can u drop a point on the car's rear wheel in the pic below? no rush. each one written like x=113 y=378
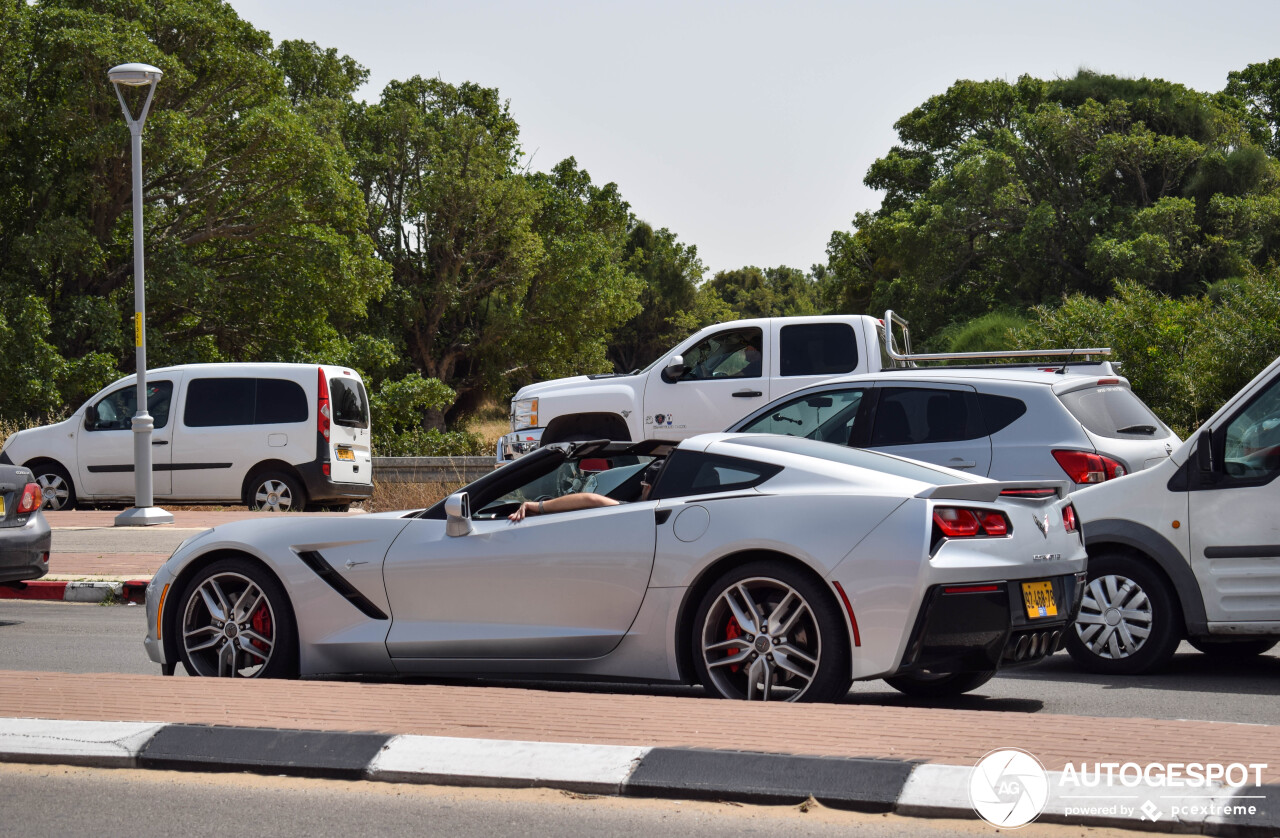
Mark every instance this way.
x=236 y=623
x=276 y=492
x=1129 y=621
x=55 y=486
x=927 y=684
x=1234 y=651
x=766 y=631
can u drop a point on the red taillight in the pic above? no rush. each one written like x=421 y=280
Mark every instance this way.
x=323 y=413
x=993 y=523
x=31 y=498
x=1069 y=518
x=957 y=522
x=1084 y=467
x=1103 y=382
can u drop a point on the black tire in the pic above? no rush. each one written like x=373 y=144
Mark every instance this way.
x=810 y=662
x=939 y=684
x=1149 y=605
x=274 y=491
x=56 y=486
x=262 y=614
x=1234 y=651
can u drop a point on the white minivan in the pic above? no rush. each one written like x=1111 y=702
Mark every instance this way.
x=272 y=436
x=1188 y=549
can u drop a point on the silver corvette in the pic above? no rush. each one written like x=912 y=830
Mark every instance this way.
x=763 y=567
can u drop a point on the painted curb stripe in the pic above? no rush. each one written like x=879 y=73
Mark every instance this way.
x=306 y=753
x=109 y=744
x=133 y=591
x=595 y=769
x=868 y=785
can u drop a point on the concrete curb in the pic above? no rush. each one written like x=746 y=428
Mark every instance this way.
x=869 y=785
x=131 y=591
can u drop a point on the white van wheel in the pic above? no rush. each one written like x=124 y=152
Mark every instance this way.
x=275 y=492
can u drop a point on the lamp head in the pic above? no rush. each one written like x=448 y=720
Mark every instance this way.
x=134 y=75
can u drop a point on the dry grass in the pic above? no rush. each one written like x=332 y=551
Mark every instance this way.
x=388 y=497
x=490 y=422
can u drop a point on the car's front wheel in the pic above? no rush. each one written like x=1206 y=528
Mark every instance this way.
x=236 y=623
x=1129 y=620
x=766 y=631
x=56 y=488
x=927 y=684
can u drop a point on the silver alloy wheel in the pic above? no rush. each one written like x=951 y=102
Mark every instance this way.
x=274 y=496
x=229 y=628
x=760 y=634
x=1115 y=617
x=54 y=490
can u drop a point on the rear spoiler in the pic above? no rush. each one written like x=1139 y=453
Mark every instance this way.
x=990 y=491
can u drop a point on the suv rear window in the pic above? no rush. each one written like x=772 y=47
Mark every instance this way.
x=1112 y=411
x=350 y=407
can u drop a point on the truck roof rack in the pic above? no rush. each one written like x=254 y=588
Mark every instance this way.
x=905 y=358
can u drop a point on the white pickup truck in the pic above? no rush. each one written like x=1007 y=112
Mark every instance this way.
x=704 y=384
x=717 y=376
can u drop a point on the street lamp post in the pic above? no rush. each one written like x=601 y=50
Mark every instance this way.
x=144 y=512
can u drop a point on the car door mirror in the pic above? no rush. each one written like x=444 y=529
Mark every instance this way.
x=457 y=513
x=675 y=367
x=1204 y=451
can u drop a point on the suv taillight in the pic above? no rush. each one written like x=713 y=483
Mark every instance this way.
x=31 y=498
x=958 y=522
x=322 y=423
x=1086 y=467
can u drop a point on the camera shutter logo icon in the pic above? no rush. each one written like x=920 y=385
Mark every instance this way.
x=1008 y=788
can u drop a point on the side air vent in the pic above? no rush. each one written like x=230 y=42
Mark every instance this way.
x=335 y=580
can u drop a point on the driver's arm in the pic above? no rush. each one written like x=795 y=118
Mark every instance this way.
x=564 y=503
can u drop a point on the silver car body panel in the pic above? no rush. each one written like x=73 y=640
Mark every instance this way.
x=601 y=592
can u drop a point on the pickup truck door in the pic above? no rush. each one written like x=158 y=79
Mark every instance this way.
x=723 y=380
x=1235 y=532
x=810 y=353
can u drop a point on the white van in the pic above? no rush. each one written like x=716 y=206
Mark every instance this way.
x=271 y=436
x=1190 y=548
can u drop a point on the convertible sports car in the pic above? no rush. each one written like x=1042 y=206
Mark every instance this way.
x=764 y=567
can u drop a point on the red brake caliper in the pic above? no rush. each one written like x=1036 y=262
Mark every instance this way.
x=261 y=622
x=732 y=632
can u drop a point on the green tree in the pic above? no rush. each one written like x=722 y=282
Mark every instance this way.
x=771 y=292
x=673 y=299
x=255 y=238
x=1016 y=194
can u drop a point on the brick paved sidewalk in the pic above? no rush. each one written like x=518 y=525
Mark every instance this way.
x=955 y=737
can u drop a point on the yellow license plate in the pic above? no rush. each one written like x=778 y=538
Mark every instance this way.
x=346 y=454
x=1 y=506
x=1038 y=597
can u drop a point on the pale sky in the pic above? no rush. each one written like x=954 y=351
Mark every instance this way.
x=747 y=127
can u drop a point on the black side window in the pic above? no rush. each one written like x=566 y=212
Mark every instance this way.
x=1252 y=438
x=818 y=349
x=350 y=407
x=217 y=402
x=696 y=473
x=114 y=411
x=999 y=412
x=732 y=354
x=279 y=402
x=911 y=416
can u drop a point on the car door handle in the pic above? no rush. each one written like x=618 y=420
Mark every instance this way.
x=747 y=394
x=159 y=442
x=956 y=462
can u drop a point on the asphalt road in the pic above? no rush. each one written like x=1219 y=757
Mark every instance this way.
x=67 y=637
x=64 y=800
